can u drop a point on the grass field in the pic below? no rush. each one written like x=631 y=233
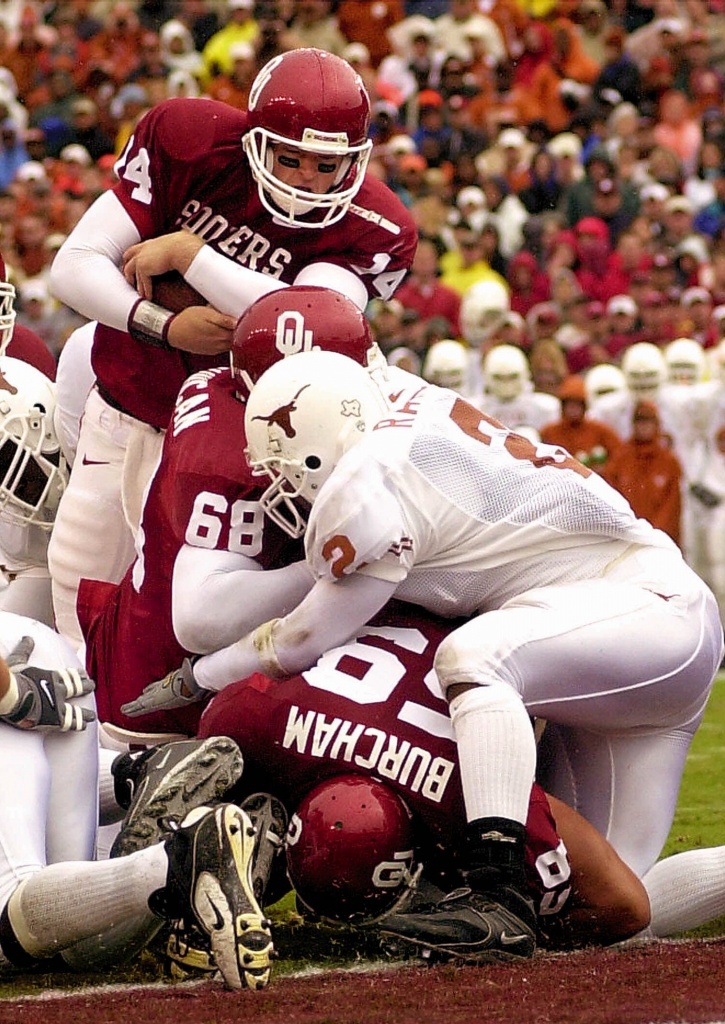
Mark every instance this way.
x=699 y=822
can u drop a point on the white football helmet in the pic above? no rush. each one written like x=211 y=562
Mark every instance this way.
x=483 y=308
x=506 y=372
x=447 y=365
x=303 y=414
x=644 y=368
x=33 y=472
x=716 y=358
x=602 y=379
x=685 y=359
x=7 y=308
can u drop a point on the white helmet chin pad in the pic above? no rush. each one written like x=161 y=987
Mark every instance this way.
x=293 y=205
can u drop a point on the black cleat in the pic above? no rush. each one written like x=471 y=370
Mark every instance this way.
x=173 y=780
x=469 y=927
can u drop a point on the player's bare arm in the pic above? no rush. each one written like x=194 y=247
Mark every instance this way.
x=608 y=902
x=201 y=329
x=155 y=256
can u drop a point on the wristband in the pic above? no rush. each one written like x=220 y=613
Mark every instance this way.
x=264 y=648
x=148 y=322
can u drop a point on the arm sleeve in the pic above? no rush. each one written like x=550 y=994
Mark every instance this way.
x=329 y=616
x=231 y=288
x=219 y=596
x=86 y=274
x=329 y=275
x=225 y=284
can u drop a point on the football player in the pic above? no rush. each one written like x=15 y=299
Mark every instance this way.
x=374 y=708
x=580 y=614
x=54 y=899
x=196 y=583
x=33 y=477
x=280 y=195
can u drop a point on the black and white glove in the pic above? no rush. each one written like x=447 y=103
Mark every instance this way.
x=45 y=695
x=175 y=690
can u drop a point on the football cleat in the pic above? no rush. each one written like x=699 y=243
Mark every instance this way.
x=270 y=820
x=173 y=780
x=469 y=927
x=208 y=894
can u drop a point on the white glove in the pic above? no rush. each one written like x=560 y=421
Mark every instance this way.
x=175 y=690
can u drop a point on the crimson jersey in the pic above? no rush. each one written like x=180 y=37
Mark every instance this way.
x=203 y=494
x=374 y=706
x=185 y=167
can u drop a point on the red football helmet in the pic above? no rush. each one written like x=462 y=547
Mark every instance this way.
x=315 y=101
x=7 y=308
x=298 y=319
x=350 y=849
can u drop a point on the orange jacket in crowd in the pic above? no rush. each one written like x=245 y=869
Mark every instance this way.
x=648 y=474
x=591 y=442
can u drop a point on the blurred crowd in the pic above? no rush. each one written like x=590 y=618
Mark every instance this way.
x=564 y=161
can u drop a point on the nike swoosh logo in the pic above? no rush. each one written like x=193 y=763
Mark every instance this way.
x=162 y=762
x=394 y=396
x=219 y=919
x=511 y=940
x=48 y=692
x=85 y=461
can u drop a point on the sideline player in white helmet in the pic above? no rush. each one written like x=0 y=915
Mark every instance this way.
x=508 y=393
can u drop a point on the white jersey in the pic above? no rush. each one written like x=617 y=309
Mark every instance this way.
x=529 y=409
x=463 y=514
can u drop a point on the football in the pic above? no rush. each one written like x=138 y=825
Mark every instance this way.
x=172 y=292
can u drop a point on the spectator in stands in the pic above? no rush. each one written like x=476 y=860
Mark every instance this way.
x=369 y=23
x=465 y=265
x=529 y=284
x=85 y=129
x=561 y=85
x=648 y=473
x=453 y=27
x=710 y=220
x=13 y=151
x=178 y=50
x=117 y=48
x=21 y=56
x=591 y=442
x=412 y=65
x=621 y=321
x=619 y=79
x=314 y=24
x=234 y=87
x=55 y=114
x=678 y=128
x=423 y=292
x=240 y=27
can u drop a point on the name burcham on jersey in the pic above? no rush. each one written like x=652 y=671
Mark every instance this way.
x=337 y=739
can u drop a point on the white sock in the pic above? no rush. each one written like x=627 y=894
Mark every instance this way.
x=686 y=890
x=66 y=903
x=109 y=811
x=496 y=752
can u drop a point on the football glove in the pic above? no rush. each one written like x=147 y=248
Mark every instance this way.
x=45 y=695
x=175 y=690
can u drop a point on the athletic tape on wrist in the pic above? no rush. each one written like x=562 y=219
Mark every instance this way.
x=264 y=647
x=149 y=323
